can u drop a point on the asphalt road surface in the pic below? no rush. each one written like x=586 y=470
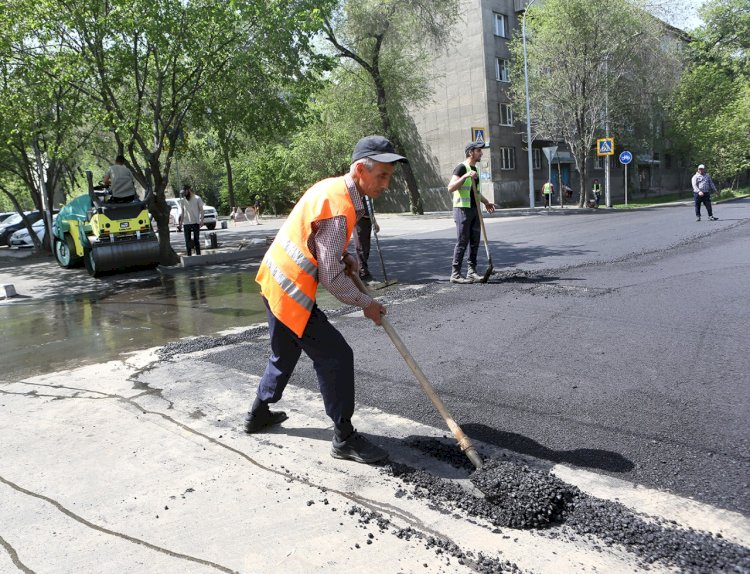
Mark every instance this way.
x=610 y=341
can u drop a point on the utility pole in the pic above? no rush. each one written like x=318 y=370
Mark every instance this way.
x=528 y=107
x=607 y=195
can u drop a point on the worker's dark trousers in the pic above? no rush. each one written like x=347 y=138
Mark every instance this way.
x=333 y=361
x=706 y=200
x=468 y=233
x=192 y=237
x=364 y=233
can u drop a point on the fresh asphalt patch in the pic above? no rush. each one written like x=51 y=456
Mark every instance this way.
x=513 y=494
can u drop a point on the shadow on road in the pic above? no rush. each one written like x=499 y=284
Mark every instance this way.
x=581 y=457
x=428 y=260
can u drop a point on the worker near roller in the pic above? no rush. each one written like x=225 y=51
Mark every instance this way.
x=463 y=185
x=191 y=219
x=120 y=181
x=311 y=248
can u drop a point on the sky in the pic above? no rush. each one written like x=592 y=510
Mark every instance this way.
x=680 y=13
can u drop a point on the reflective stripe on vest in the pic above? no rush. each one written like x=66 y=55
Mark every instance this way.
x=547 y=188
x=288 y=275
x=462 y=196
x=597 y=187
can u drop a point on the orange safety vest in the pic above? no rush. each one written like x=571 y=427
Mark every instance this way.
x=288 y=274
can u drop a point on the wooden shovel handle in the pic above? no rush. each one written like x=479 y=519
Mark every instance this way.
x=463 y=441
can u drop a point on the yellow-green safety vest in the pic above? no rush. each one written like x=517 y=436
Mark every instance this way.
x=462 y=196
x=547 y=188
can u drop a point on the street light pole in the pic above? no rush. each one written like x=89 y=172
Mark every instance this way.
x=528 y=107
x=607 y=194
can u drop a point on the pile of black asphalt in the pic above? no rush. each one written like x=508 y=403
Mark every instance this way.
x=514 y=495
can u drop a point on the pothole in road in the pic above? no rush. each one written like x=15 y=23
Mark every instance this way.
x=513 y=495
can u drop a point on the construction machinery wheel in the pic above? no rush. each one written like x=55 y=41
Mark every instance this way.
x=65 y=252
x=90 y=263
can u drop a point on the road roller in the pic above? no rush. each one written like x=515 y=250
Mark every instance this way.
x=103 y=235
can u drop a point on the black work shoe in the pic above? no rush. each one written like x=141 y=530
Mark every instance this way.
x=698 y=218
x=357 y=448
x=261 y=419
x=712 y=218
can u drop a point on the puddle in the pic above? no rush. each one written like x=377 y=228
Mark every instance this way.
x=42 y=336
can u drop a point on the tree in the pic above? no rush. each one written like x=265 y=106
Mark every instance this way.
x=145 y=64
x=389 y=40
x=712 y=105
x=589 y=59
x=41 y=117
x=273 y=81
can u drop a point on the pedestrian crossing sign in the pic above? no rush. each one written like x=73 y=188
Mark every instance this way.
x=477 y=135
x=605 y=146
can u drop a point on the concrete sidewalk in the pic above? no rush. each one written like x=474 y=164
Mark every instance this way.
x=141 y=466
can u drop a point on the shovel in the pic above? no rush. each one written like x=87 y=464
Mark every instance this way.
x=385 y=282
x=490 y=267
x=463 y=441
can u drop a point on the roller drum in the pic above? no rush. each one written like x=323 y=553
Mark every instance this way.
x=125 y=254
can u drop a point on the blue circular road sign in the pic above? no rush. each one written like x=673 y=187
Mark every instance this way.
x=626 y=157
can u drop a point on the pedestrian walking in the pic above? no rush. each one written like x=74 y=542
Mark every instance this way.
x=596 y=190
x=258 y=206
x=311 y=247
x=568 y=191
x=703 y=185
x=191 y=219
x=463 y=186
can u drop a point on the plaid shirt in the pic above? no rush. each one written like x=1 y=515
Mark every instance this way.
x=326 y=242
x=703 y=182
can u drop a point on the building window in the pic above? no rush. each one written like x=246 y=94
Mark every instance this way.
x=501 y=25
x=506 y=115
x=507 y=158
x=537 y=158
x=502 y=70
x=599 y=161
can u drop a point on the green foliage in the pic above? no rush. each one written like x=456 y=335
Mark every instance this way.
x=711 y=113
x=588 y=56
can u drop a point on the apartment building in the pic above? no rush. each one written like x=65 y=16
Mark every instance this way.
x=470 y=81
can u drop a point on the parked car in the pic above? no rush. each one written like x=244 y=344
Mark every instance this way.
x=21 y=238
x=5 y=215
x=14 y=223
x=210 y=215
x=175 y=209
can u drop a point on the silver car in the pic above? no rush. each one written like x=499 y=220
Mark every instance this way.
x=21 y=238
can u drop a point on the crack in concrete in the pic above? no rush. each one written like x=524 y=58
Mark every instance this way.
x=14 y=557
x=69 y=513
x=372 y=505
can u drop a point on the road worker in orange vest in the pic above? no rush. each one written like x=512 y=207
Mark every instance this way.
x=311 y=249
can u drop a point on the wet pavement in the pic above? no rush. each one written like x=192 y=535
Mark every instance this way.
x=125 y=314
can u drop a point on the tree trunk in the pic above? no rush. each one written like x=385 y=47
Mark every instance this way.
x=230 y=179
x=415 y=199
x=160 y=209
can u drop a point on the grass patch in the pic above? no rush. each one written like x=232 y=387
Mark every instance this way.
x=681 y=196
